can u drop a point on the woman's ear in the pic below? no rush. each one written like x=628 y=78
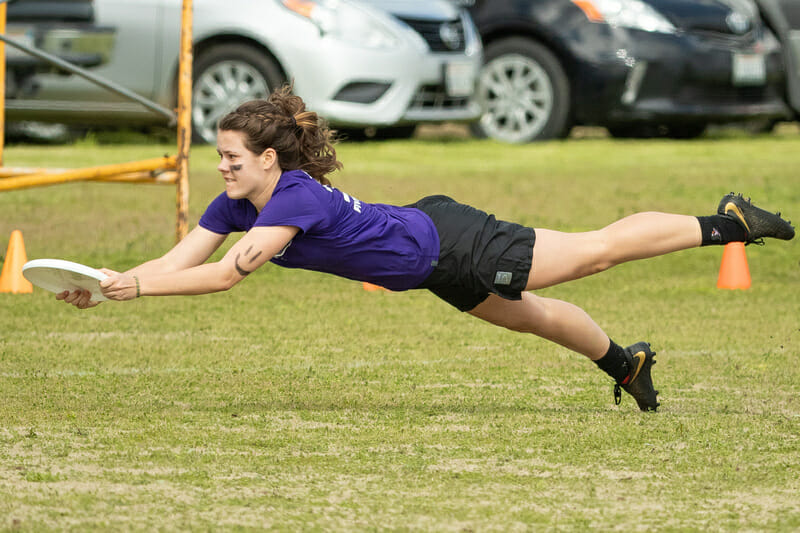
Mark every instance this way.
x=269 y=158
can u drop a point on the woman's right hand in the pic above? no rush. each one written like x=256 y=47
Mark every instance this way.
x=80 y=298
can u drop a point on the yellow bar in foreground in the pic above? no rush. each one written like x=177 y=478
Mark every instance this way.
x=168 y=177
x=161 y=176
x=86 y=174
x=10 y=172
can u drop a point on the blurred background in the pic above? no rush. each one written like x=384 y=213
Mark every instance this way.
x=516 y=71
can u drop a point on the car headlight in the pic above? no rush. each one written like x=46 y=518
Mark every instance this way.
x=346 y=22
x=626 y=13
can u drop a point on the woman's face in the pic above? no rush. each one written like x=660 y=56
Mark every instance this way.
x=244 y=172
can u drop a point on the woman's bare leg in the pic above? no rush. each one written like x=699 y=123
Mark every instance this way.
x=558 y=321
x=571 y=327
x=560 y=257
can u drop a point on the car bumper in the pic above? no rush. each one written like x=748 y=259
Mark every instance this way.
x=681 y=78
x=411 y=95
x=408 y=84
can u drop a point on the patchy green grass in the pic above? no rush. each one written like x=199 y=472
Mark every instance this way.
x=299 y=401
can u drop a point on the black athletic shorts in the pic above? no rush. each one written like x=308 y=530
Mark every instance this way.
x=478 y=254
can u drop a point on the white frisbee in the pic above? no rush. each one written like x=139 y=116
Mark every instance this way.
x=56 y=275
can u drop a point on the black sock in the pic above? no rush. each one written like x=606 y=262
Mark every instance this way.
x=721 y=229
x=614 y=363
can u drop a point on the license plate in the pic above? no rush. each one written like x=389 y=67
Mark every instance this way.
x=459 y=79
x=749 y=69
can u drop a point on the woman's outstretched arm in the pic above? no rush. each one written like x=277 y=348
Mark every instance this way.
x=182 y=269
x=192 y=250
x=257 y=247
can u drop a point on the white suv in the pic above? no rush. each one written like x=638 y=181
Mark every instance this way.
x=360 y=64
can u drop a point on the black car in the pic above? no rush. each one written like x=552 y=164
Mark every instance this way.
x=783 y=17
x=637 y=67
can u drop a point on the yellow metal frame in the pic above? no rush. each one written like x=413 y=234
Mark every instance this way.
x=171 y=170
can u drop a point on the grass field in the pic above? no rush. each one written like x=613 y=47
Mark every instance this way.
x=298 y=401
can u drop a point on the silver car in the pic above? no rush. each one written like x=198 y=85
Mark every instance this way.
x=378 y=64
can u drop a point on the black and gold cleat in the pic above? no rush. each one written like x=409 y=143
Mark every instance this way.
x=757 y=223
x=639 y=383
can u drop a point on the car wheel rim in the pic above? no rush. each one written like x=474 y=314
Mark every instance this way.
x=517 y=96
x=219 y=90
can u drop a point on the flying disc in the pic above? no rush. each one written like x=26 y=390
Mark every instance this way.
x=56 y=275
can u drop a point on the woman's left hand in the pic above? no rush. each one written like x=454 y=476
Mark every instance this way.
x=118 y=286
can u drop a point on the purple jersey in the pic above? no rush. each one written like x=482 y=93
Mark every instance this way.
x=395 y=247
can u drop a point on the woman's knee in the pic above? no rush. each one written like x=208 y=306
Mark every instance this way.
x=600 y=255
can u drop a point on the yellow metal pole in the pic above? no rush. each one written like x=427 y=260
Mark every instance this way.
x=84 y=174
x=3 y=11
x=8 y=172
x=168 y=177
x=184 y=122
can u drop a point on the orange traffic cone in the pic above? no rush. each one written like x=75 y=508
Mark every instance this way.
x=372 y=287
x=12 y=280
x=734 y=272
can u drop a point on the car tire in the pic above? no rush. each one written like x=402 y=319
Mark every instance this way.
x=524 y=92
x=243 y=72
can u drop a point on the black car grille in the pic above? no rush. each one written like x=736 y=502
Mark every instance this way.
x=441 y=35
x=435 y=97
